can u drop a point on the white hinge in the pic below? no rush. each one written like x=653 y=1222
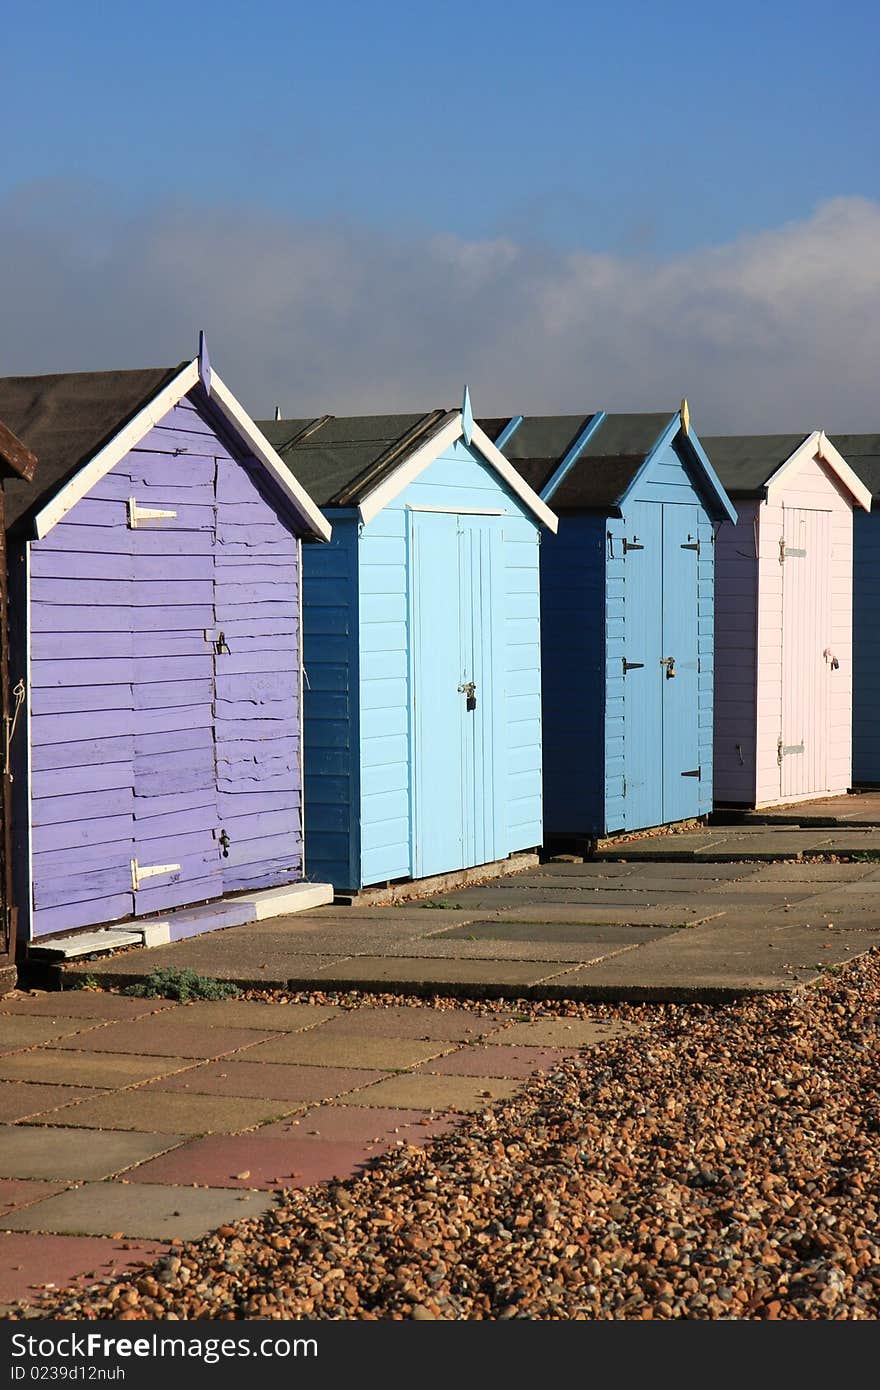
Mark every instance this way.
x=137 y=514
x=790 y=552
x=140 y=872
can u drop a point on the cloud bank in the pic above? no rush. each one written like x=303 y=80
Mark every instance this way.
x=775 y=331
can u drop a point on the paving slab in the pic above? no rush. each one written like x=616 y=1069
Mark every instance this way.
x=565 y=1032
x=332 y=1050
x=32 y=1262
x=16 y=1193
x=18 y=1031
x=854 y=807
x=162 y=1112
x=484 y=948
x=81 y=1003
x=430 y=976
x=154 y=1211
x=377 y=1128
x=102 y=1070
x=497 y=1060
x=75 y=1155
x=413 y=1021
x=159 y=1036
x=256 y=1161
x=219 y=960
x=554 y=933
x=21 y=1099
x=268 y=1081
x=424 y=1092
x=661 y=847
x=252 y=1013
x=814 y=875
x=590 y=915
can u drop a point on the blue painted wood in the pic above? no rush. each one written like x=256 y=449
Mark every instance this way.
x=508 y=432
x=680 y=624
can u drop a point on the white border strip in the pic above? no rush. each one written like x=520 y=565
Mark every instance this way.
x=815 y=444
x=418 y=461
x=152 y=414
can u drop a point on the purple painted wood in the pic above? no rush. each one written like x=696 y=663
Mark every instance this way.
x=143 y=737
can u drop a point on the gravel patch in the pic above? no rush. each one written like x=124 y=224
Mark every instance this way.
x=721 y=1163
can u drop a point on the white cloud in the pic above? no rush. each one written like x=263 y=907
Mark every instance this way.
x=776 y=331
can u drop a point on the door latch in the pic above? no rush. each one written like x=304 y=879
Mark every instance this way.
x=225 y=842
x=669 y=663
x=220 y=644
x=469 y=690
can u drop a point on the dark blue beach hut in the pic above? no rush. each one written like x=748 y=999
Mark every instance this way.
x=862 y=452
x=627 y=592
x=422 y=646
x=155 y=564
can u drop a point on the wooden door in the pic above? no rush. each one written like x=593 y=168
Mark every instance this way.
x=454 y=583
x=679 y=681
x=806 y=628
x=643 y=682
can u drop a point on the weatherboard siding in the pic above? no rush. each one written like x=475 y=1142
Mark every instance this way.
x=736 y=625
x=866 y=649
x=330 y=704
x=136 y=751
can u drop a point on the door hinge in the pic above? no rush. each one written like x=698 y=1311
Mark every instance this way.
x=631 y=665
x=140 y=872
x=631 y=545
x=692 y=545
x=790 y=551
x=138 y=515
x=697 y=771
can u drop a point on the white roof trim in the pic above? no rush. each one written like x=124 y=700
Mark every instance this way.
x=246 y=429
x=418 y=461
x=152 y=414
x=818 y=444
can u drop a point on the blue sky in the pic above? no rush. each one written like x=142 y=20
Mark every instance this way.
x=646 y=132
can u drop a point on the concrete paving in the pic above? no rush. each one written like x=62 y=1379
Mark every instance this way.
x=201 y=1113
x=857 y=808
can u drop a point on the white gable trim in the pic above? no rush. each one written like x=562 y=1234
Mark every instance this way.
x=416 y=463
x=817 y=444
x=152 y=414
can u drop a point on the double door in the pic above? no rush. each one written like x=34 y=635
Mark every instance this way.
x=455 y=569
x=660 y=544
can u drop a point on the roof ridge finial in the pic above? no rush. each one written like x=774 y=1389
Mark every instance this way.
x=277 y=413
x=204 y=362
x=684 y=411
x=467 y=416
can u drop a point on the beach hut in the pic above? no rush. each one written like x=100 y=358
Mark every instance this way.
x=862 y=453
x=626 y=616
x=154 y=568
x=783 y=636
x=16 y=461
x=422 y=650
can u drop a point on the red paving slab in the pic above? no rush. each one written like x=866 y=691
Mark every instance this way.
x=19 y=1099
x=162 y=1037
x=249 y=1160
x=355 y=1124
x=268 y=1080
x=20 y=1192
x=83 y=1003
x=517 y=1063
x=28 y=1262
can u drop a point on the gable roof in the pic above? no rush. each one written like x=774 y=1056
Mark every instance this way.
x=16 y=460
x=590 y=462
x=754 y=465
x=81 y=423
x=364 y=461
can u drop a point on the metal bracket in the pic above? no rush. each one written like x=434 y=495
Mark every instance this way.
x=137 y=515
x=631 y=665
x=631 y=545
x=692 y=545
x=141 y=872
x=695 y=773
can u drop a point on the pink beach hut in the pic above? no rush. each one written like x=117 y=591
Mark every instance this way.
x=783 y=619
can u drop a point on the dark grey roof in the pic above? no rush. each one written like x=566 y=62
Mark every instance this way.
x=65 y=420
x=862 y=453
x=604 y=469
x=745 y=462
x=337 y=459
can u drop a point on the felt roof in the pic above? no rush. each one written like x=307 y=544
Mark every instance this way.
x=862 y=453
x=65 y=420
x=746 y=462
x=605 y=467
x=338 y=459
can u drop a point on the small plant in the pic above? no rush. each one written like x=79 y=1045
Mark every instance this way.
x=87 y=982
x=457 y=907
x=183 y=985
x=866 y=856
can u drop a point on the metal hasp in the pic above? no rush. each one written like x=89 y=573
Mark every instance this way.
x=469 y=689
x=669 y=663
